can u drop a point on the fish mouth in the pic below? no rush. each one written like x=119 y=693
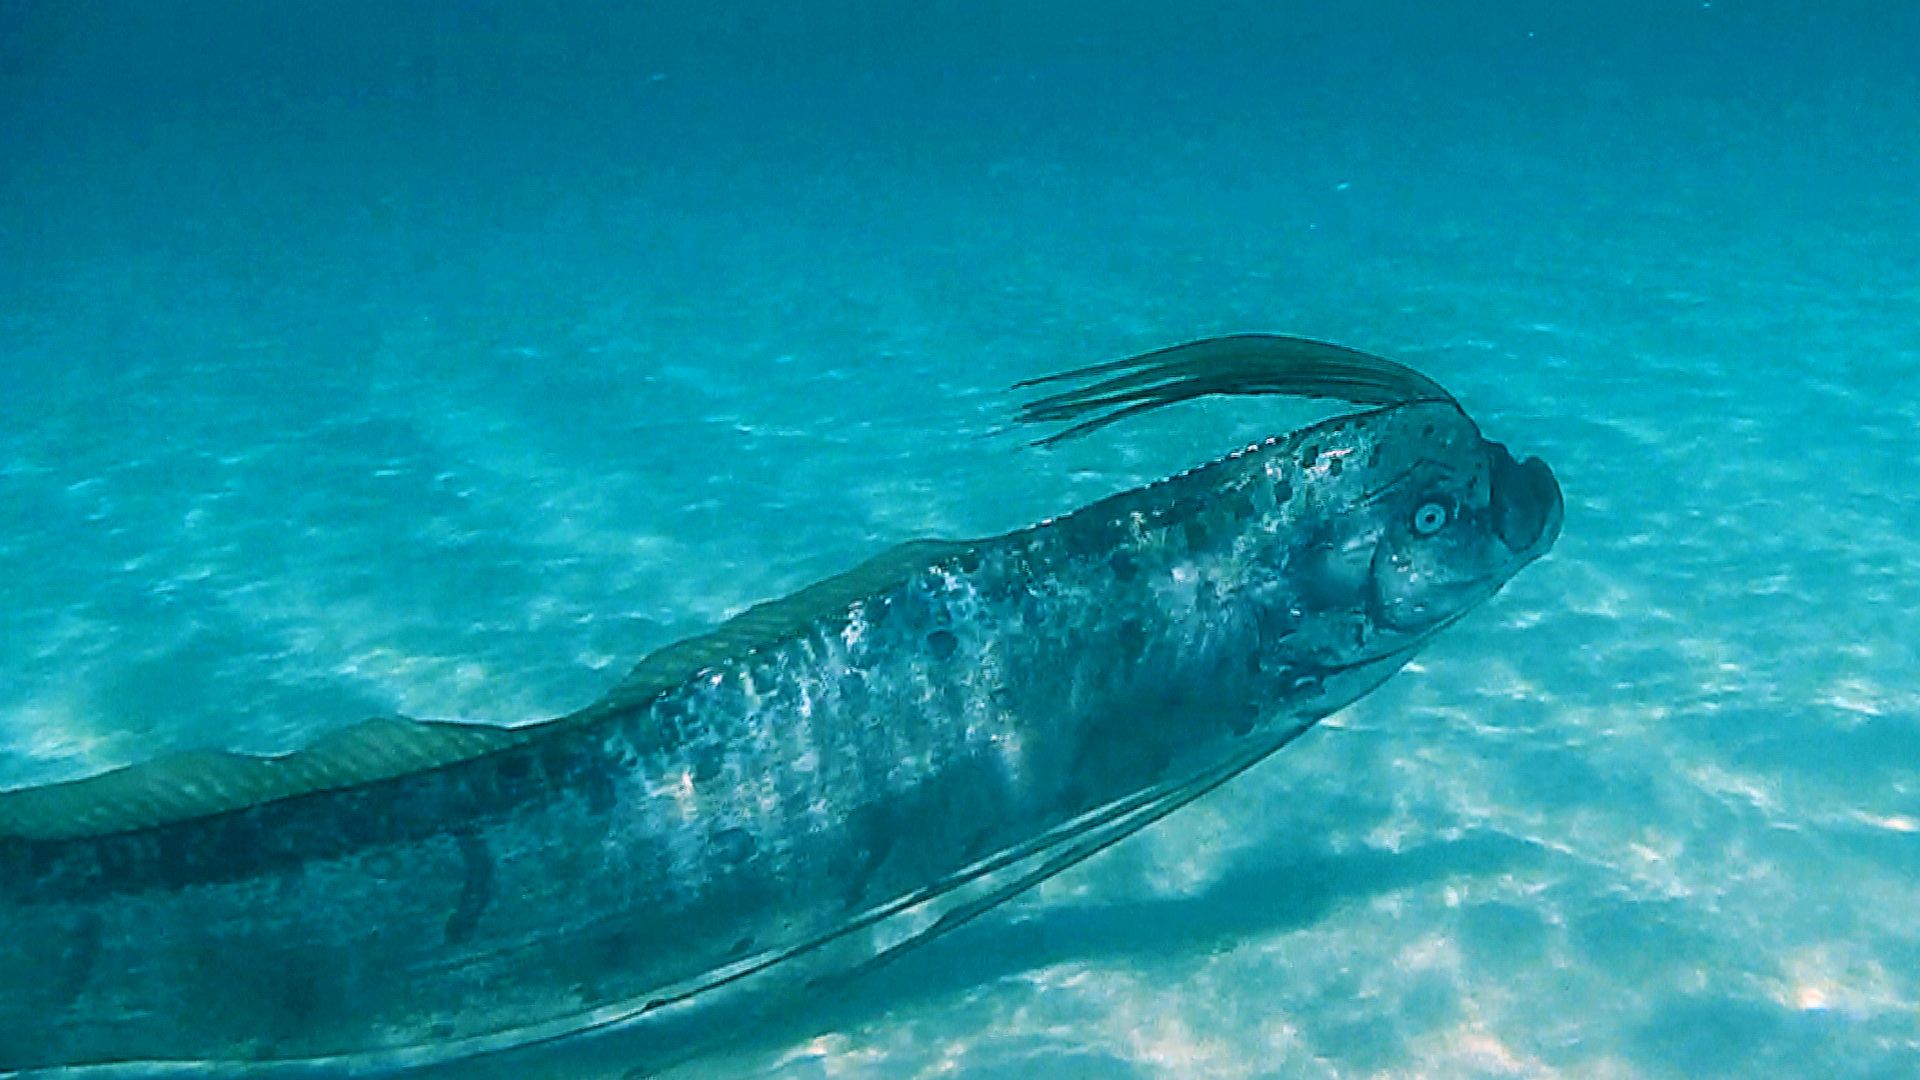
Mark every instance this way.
x=1527 y=504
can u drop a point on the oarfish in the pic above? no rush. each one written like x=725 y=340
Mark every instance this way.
x=812 y=788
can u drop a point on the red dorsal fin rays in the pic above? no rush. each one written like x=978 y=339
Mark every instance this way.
x=1240 y=364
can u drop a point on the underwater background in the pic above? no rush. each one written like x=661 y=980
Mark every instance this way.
x=443 y=359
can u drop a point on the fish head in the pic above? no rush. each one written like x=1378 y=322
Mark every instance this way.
x=1416 y=519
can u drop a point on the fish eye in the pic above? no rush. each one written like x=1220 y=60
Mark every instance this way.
x=1431 y=517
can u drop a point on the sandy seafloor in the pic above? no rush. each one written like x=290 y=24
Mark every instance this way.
x=401 y=360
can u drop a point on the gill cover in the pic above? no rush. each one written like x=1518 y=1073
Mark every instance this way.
x=1416 y=518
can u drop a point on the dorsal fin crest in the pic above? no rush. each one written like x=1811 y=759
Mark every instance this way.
x=772 y=621
x=1236 y=365
x=198 y=783
x=201 y=783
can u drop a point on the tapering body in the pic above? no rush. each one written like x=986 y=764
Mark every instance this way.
x=756 y=788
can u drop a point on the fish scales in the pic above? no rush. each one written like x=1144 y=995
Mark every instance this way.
x=964 y=699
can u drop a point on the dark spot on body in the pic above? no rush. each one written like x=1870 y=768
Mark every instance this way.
x=867 y=862
x=601 y=797
x=740 y=948
x=1074 y=793
x=1123 y=566
x=1007 y=586
x=705 y=761
x=1336 y=465
x=476 y=887
x=77 y=963
x=976 y=844
x=670 y=719
x=1275 y=623
x=1196 y=534
x=572 y=767
x=943 y=644
x=1309 y=454
x=357 y=822
x=1112 y=750
x=732 y=846
x=618 y=949
x=1282 y=491
x=515 y=769
x=853 y=690
x=296 y=998
x=383 y=864
x=1099 y=535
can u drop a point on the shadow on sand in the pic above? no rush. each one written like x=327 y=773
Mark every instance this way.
x=1291 y=888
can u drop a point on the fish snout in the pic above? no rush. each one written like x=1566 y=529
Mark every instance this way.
x=1526 y=503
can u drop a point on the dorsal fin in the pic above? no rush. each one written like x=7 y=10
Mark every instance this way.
x=1239 y=364
x=200 y=783
x=773 y=621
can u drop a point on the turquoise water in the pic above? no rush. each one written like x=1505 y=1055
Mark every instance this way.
x=443 y=360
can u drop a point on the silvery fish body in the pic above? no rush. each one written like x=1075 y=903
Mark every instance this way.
x=808 y=786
